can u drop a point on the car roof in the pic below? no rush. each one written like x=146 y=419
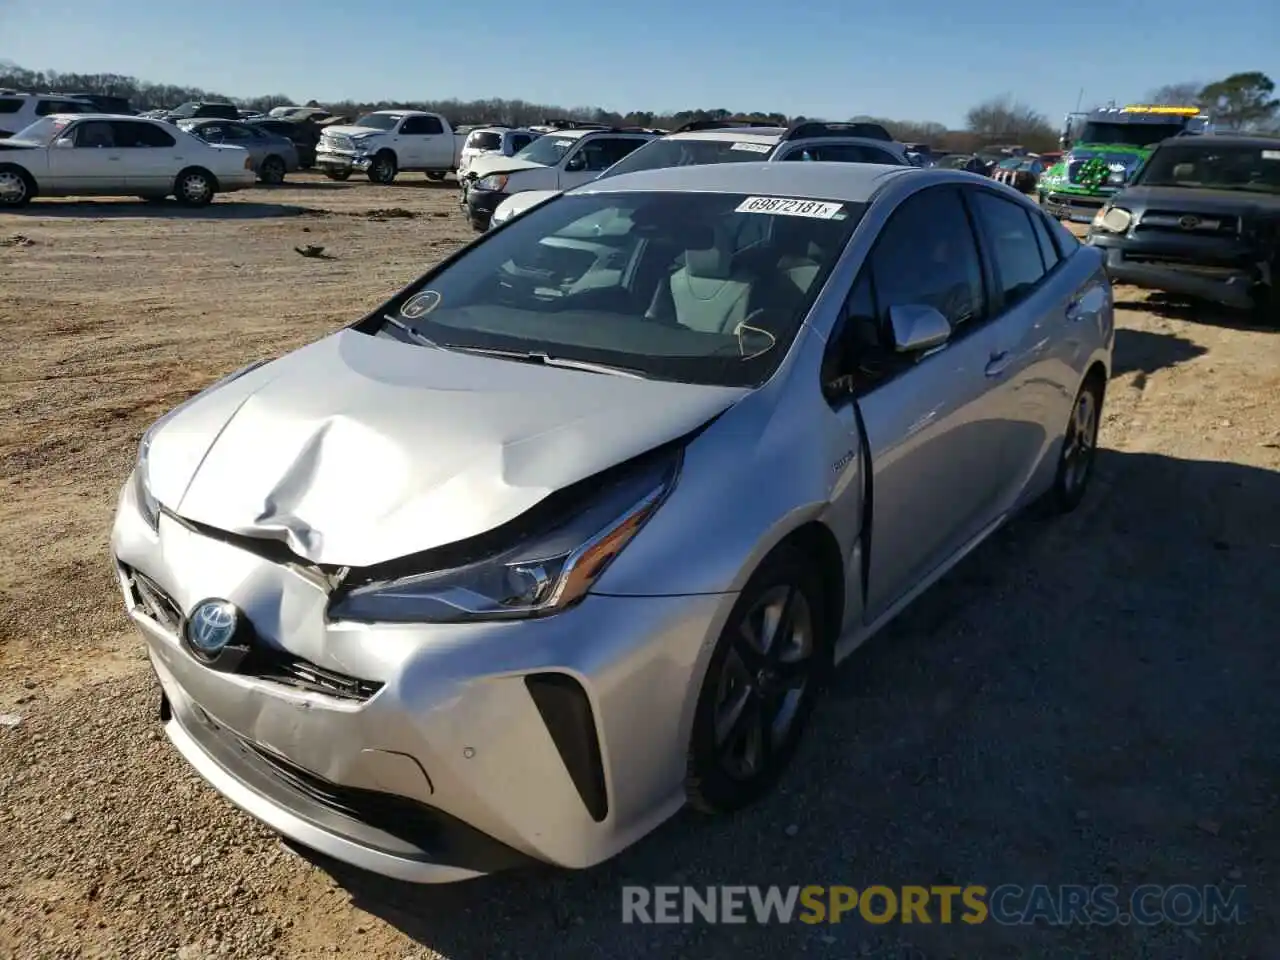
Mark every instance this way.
x=105 y=116
x=398 y=113
x=818 y=180
x=769 y=135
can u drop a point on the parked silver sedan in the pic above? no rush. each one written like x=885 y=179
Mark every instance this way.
x=572 y=530
x=274 y=156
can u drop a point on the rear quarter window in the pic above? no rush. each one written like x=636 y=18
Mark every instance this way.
x=10 y=105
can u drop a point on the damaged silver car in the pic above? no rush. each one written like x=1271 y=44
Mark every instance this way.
x=571 y=531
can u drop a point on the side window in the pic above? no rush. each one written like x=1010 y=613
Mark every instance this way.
x=46 y=107
x=519 y=141
x=10 y=105
x=603 y=152
x=95 y=134
x=211 y=132
x=1014 y=247
x=1047 y=249
x=421 y=126
x=927 y=254
x=130 y=134
x=236 y=134
x=431 y=125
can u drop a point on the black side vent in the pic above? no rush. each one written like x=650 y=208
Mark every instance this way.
x=566 y=711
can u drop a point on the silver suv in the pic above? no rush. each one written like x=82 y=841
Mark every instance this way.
x=19 y=110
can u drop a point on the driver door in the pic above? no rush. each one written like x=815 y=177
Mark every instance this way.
x=932 y=449
x=594 y=157
x=94 y=164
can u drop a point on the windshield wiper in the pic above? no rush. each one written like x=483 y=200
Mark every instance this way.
x=541 y=357
x=405 y=328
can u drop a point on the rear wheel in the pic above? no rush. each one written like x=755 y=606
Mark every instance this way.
x=195 y=188
x=16 y=187
x=761 y=685
x=1079 y=448
x=383 y=169
x=272 y=171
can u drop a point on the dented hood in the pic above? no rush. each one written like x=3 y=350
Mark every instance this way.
x=359 y=449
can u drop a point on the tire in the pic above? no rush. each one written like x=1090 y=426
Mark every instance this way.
x=16 y=187
x=753 y=705
x=384 y=168
x=195 y=187
x=272 y=171
x=339 y=175
x=436 y=177
x=1079 y=448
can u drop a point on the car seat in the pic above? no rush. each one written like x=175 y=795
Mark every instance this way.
x=708 y=294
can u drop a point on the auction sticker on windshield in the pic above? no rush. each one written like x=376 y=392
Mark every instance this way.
x=790 y=207
x=752 y=147
x=1271 y=154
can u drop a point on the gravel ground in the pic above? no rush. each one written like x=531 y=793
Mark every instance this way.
x=1088 y=700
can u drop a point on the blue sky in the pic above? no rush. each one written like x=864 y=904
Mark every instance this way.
x=906 y=59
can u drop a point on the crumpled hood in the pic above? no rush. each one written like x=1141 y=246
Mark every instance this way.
x=485 y=164
x=350 y=130
x=359 y=449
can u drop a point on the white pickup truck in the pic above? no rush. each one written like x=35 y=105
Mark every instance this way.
x=383 y=143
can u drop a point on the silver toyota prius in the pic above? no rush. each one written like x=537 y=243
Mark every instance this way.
x=571 y=531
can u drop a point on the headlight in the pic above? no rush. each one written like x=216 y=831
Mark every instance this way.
x=550 y=565
x=148 y=505
x=362 y=143
x=1113 y=219
x=496 y=182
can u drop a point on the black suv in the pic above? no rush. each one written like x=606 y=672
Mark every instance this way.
x=200 y=109
x=1201 y=218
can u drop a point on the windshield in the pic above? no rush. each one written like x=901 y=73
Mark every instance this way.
x=547 y=150
x=1130 y=134
x=1214 y=166
x=485 y=141
x=42 y=132
x=660 y=154
x=695 y=287
x=379 y=121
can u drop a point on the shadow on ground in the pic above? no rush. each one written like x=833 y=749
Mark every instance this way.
x=1173 y=307
x=165 y=210
x=1084 y=700
x=1142 y=350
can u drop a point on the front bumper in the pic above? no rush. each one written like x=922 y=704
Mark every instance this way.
x=334 y=160
x=1207 y=269
x=437 y=751
x=1075 y=207
x=480 y=205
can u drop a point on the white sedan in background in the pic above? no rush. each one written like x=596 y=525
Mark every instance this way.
x=104 y=155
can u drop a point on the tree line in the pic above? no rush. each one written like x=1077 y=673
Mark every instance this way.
x=1241 y=101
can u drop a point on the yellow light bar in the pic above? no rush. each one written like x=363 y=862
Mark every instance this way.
x=1173 y=111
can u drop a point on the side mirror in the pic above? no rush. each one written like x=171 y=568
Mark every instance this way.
x=64 y=143
x=917 y=327
x=576 y=163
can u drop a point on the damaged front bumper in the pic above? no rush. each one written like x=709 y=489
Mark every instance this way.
x=425 y=752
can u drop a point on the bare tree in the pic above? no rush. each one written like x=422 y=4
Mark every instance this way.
x=1185 y=94
x=1005 y=120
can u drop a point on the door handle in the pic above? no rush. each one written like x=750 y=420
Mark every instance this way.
x=998 y=363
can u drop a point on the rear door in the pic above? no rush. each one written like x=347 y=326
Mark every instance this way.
x=928 y=435
x=1032 y=367
x=423 y=144
x=148 y=153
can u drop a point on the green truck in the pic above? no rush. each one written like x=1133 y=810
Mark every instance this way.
x=1103 y=149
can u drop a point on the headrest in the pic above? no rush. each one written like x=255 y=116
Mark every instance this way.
x=713 y=263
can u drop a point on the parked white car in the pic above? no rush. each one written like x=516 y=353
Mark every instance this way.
x=385 y=142
x=555 y=161
x=727 y=141
x=492 y=141
x=19 y=110
x=105 y=155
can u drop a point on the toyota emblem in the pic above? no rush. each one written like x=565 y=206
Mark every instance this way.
x=1189 y=223
x=212 y=626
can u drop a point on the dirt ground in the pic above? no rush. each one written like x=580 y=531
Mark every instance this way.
x=1088 y=700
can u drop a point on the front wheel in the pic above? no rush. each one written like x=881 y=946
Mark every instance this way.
x=383 y=169
x=763 y=680
x=194 y=188
x=16 y=187
x=1079 y=448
